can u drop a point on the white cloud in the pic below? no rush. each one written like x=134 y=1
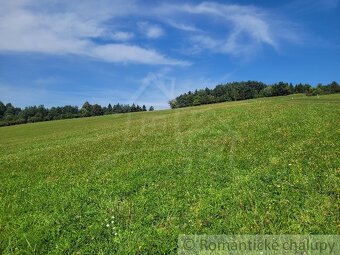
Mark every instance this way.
x=121 y=36
x=27 y=27
x=183 y=26
x=130 y=53
x=241 y=29
x=150 y=30
x=73 y=27
x=205 y=42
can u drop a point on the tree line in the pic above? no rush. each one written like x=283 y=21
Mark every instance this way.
x=11 y=115
x=234 y=91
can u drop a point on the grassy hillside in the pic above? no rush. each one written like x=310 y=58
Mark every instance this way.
x=258 y=166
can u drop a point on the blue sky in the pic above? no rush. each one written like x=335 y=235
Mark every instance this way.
x=59 y=52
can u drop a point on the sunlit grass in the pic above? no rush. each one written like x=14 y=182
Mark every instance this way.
x=132 y=183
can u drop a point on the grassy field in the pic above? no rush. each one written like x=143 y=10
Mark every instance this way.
x=131 y=183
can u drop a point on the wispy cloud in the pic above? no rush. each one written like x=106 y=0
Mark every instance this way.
x=151 y=30
x=183 y=26
x=120 y=36
x=129 y=53
x=69 y=27
x=27 y=27
x=242 y=29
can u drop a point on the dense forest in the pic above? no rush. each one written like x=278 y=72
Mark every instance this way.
x=11 y=115
x=247 y=90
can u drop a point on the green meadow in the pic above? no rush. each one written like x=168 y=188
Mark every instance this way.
x=131 y=183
